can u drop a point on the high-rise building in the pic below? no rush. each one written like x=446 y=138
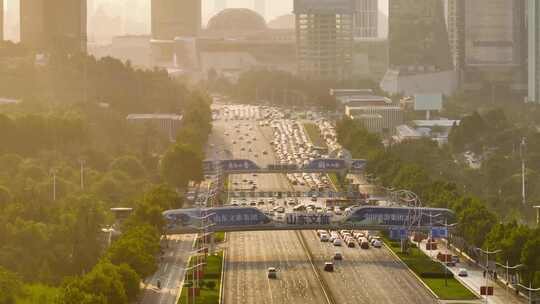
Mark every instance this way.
x=54 y=25
x=488 y=42
x=366 y=18
x=417 y=35
x=534 y=51
x=324 y=33
x=219 y=5
x=260 y=7
x=1 y=20
x=173 y=18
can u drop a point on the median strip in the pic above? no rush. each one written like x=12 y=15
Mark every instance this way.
x=430 y=273
x=209 y=289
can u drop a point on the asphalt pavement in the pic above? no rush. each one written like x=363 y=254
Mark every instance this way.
x=171 y=272
x=365 y=276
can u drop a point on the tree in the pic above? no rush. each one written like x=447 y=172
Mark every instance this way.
x=137 y=249
x=10 y=287
x=180 y=165
x=130 y=165
x=163 y=196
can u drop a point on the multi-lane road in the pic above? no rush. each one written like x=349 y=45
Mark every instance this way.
x=364 y=276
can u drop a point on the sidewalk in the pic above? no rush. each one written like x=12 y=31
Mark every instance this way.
x=170 y=272
x=475 y=277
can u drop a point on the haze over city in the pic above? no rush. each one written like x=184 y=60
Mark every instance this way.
x=137 y=21
x=269 y=151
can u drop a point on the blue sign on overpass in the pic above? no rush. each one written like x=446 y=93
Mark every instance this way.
x=320 y=165
x=253 y=219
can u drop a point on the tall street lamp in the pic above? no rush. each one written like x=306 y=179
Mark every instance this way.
x=507 y=274
x=487 y=253
x=530 y=290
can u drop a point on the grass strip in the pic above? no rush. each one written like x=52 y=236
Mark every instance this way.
x=314 y=134
x=422 y=265
x=209 y=285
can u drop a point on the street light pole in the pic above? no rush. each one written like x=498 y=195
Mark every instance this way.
x=507 y=274
x=530 y=290
x=487 y=253
x=523 y=145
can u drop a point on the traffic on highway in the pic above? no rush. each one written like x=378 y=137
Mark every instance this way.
x=285 y=266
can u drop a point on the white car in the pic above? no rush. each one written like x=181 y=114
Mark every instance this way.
x=337 y=242
x=377 y=244
x=463 y=272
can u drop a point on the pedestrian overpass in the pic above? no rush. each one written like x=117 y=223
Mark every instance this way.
x=319 y=165
x=229 y=219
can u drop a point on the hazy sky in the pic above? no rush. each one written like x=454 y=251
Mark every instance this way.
x=273 y=8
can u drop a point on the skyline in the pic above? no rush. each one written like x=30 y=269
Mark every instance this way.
x=113 y=7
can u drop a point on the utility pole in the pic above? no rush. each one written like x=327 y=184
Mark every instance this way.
x=523 y=146
x=53 y=173
x=82 y=173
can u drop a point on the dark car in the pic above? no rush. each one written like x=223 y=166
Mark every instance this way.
x=329 y=266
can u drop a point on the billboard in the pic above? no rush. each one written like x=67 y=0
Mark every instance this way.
x=428 y=102
x=253 y=219
x=323 y=6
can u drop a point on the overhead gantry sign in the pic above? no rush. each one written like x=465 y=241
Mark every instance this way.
x=229 y=219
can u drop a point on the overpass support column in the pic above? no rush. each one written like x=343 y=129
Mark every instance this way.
x=212 y=244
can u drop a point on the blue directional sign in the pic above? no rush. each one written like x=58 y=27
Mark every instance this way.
x=439 y=232
x=326 y=163
x=358 y=164
x=398 y=233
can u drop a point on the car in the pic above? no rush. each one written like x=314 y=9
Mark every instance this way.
x=338 y=256
x=324 y=237
x=463 y=272
x=337 y=242
x=272 y=273
x=329 y=266
x=377 y=243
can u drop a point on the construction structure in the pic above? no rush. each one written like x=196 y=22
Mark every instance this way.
x=366 y=19
x=54 y=25
x=324 y=34
x=534 y=51
x=487 y=40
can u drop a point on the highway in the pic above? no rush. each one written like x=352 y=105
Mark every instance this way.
x=365 y=276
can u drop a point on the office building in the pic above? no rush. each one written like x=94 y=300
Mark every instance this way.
x=488 y=40
x=54 y=25
x=260 y=7
x=534 y=51
x=172 y=18
x=167 y=124
x=377 y=118
x=324 y=34
x=417 y=35
x=366 y=18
